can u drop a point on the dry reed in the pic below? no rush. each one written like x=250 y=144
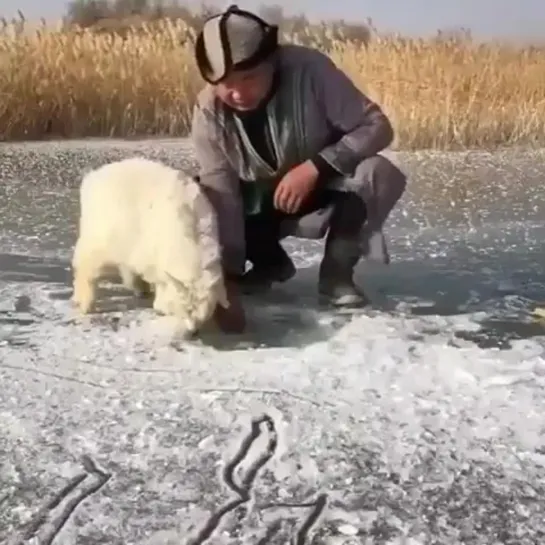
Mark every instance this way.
x=447 y=93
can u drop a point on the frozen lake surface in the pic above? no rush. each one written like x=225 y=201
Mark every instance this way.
x=420 y=421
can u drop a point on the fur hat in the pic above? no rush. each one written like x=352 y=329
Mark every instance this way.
x=233 y=40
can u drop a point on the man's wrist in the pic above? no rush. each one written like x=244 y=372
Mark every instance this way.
x=325 y=171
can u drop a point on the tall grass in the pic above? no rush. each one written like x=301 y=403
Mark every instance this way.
x=440 y=93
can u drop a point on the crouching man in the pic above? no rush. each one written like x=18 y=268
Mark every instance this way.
x=287 y=145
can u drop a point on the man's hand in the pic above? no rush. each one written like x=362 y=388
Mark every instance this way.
x=295 y=187
x=232 y=319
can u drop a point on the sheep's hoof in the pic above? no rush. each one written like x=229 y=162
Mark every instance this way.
x=159 y=309
x=83 y=308
x=83 y=304
x=187 y=334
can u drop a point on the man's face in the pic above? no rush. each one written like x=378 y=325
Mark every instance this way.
x=244 y=90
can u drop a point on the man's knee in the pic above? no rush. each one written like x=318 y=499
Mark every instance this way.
x=381 y=184
x=381 y=170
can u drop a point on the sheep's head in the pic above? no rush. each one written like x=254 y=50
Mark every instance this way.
x=192 y=306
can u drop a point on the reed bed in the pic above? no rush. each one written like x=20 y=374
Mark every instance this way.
x=442 y=93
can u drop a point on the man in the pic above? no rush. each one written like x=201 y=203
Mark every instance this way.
x=287 y=145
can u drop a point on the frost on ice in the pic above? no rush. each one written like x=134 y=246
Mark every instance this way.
x=417 y=422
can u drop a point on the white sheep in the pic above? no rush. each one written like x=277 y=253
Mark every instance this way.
x=155 y=226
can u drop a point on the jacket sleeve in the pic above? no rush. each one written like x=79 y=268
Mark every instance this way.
x=222 y=187
x=364 y=128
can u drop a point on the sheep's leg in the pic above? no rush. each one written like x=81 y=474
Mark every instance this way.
x=160 y=301
x=163 y=304
x=135 y=283
x=87 y=268
x=84 y=288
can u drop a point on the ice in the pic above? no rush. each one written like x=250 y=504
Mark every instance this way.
x=418 y=421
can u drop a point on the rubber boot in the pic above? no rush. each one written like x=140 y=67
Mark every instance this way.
x=342 y=252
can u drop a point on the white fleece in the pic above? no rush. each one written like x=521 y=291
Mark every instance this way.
x=152 y=222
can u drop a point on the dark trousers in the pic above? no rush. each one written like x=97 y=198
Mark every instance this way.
x=263 y=231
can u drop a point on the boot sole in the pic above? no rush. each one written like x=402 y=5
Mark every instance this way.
x=347 y=302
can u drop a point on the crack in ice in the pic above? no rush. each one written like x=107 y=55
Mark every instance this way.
x=245 y=488
x=44 y=524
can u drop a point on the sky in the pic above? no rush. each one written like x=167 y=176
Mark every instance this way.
x=520 y=19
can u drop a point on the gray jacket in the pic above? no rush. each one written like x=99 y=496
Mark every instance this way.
x=316 y=102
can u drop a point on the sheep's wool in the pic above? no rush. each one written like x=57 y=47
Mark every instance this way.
x=153 y=223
